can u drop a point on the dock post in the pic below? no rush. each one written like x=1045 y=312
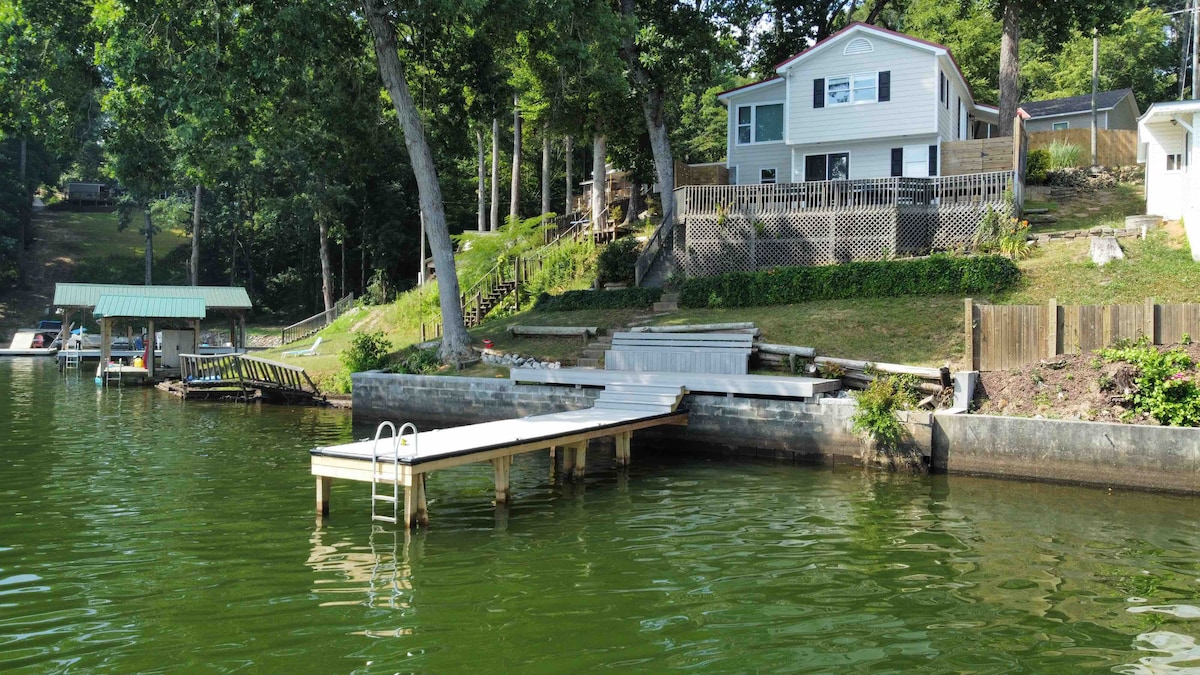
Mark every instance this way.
x=501 y=466
x=622 y=440
x=324 y=484
x=568 y=461
x=415 y=512
x=579 y=452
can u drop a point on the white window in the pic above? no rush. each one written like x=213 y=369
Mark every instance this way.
x=1175 y=162
x=857 y=88
x=1059 y=126
x=744 y=125
x=766 y=176
x=759 y=123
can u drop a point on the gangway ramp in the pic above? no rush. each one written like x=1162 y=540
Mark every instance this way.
x=619 y=411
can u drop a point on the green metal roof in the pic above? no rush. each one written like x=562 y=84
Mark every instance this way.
x=131 y=306
x=214 y=297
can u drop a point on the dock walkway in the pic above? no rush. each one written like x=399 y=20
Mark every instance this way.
x=621 y=410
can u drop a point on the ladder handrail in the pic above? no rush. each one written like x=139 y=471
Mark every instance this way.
x=395 y=499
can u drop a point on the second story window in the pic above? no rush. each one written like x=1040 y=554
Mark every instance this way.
x=857 y=88
x=760 y=123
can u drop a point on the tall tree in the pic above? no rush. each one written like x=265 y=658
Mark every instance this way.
x=455 y=340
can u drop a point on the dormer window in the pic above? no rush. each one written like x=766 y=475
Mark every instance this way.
x=759 y=123
x=857 y=88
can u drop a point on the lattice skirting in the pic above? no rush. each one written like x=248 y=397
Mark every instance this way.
x=704 y=245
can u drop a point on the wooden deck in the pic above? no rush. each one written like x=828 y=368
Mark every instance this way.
x=495 y=442
x=229 y=374
x=695 y=383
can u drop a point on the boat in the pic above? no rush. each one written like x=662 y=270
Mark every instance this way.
x=30 y=341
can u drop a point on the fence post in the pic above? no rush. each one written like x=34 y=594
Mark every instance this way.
x=1150 y=325
x=969 y=320
x=1052 y=329
x=422 y=331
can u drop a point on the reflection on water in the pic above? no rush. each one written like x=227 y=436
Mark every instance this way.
x=142 y=533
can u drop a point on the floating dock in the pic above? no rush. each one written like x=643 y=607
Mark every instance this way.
x=403 y=462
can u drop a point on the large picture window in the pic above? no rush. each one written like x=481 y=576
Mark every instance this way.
x=834 y=166
x=760 y=123
x=857 y=88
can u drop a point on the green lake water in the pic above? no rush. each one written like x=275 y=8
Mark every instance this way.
x=139 y=533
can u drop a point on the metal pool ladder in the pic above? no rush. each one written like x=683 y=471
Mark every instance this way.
x=392 y=457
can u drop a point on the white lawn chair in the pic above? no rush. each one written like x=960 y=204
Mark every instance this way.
x=311 y=351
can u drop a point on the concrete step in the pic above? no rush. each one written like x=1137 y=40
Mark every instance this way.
x=594 y=353
x=633 y=407
x=670 y=297
x=587 y=363
x=666 y=307
x=607 y=344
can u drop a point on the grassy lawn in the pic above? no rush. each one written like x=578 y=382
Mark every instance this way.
x=1104 y=208
x=92 y=235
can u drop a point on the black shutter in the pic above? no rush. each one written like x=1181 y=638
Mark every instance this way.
x=897 y=161
x=958 y=120
x=819 y=92
x=814 y=168
x=885 y=85
x=941 y=86
x=933 y=160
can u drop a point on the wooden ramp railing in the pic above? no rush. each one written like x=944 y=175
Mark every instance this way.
x=314 y=323
x=247 y=373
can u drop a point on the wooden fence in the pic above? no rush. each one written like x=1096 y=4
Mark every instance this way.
x=1114 y=147
x=977 y=156
x=1002 y=337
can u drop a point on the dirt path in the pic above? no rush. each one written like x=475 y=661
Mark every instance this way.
x=23 y=308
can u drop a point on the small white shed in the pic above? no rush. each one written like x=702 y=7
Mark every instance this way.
x=1168 y=144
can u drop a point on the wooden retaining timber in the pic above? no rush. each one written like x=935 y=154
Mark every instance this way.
x=553 y=331
x=746 y=327
x=243 y=377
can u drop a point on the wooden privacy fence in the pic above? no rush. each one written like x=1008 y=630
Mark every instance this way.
x=977 y=156
x=1002 y=337
x=1114 y=147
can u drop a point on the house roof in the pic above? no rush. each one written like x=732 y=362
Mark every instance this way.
x=143 y=307
x=1105 y=100
x=1167 y=108
x=753 y=85
x=214 y=297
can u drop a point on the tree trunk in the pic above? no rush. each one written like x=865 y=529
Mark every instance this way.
x=495 y=216
x=326 y=265
x=482 y=187
x=599 y=184
x=653 y=103
x=455 y=340
x=194 y=264
x=567 y=151
x=545 y=171
x=514 y=209
x=25 y=213
x=631 y=207
x=149 y=232
x=1010 y=66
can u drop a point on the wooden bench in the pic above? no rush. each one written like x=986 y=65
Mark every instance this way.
x=553 y=331
x=716 y=353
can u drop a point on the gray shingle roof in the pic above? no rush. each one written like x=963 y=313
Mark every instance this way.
x=1105 y=100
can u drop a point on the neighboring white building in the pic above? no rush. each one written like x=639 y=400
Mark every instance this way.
x=865 y=102
x=1168 y=144
x=1114 y=110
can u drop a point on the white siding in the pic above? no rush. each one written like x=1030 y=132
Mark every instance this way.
x=1165 y=193
x=908 y=112
x=947 y=113
x=868 y=159
x=751 y=159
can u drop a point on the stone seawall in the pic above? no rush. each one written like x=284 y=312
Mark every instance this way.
x=1144 y=457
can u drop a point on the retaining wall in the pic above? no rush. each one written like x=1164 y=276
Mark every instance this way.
x=1156 y=458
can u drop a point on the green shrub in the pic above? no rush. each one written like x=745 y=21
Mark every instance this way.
x=415 y=361
x=1037 y=163
x=564 y=266
x=877 y=406
x=618 y=261
x=1166 y=386
x=1063 y=155
x=367 y=351
x=625 y=298
x=936 y=275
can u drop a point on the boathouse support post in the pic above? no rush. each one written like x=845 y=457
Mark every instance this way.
x=415 y=512
x=324 y=485
x=502 y=467
x=153 y=346
x=105 y=346
x=622 y=440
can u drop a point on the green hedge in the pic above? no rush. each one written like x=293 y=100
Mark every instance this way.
x=627 y=298
x=935 y=275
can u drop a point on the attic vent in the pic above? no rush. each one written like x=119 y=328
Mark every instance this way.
x=858 y=46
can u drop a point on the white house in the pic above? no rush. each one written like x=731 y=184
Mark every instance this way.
x=1114 y=110
x=1168 y=144
x=866 y=102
